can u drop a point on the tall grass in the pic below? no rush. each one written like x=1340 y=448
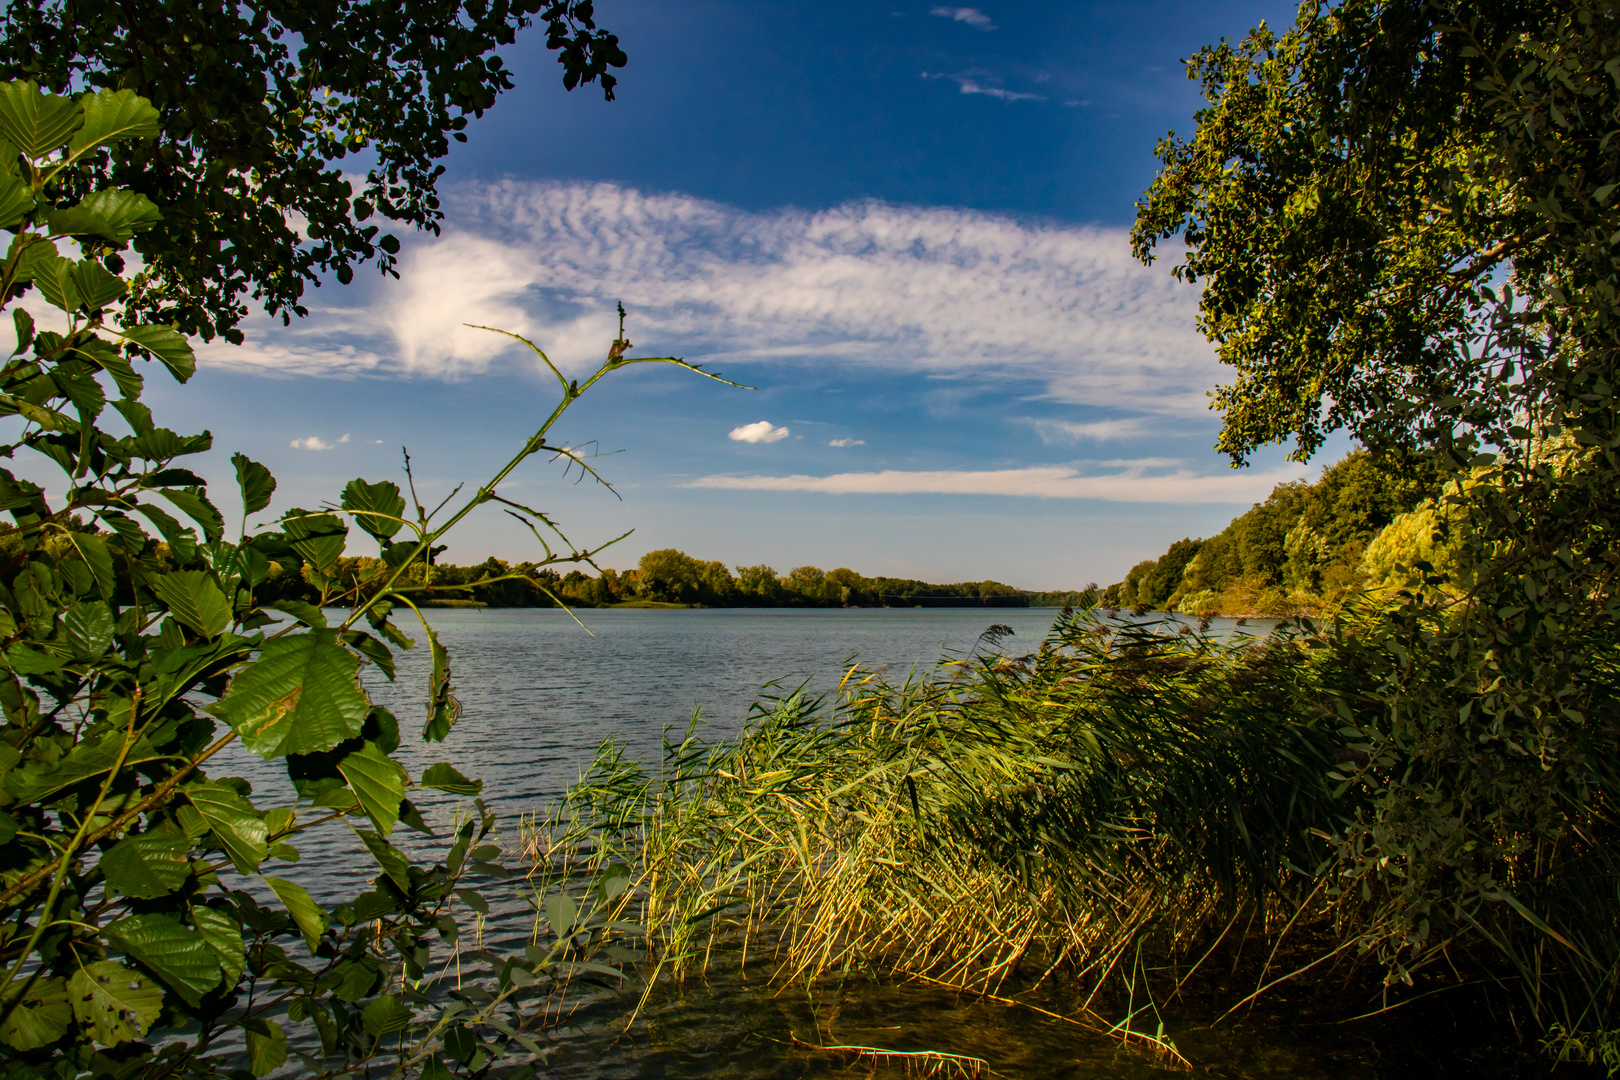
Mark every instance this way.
x=1125 y=799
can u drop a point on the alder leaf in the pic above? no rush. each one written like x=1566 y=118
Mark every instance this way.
x=39 y=1019
x=224 y=939
x=118 y=1005
x=194 y=599
x=255 y=481
x=35 y=122
x=147 y=866
x=170 y=950
x=309 y=916
x=240 y=830
x=303 y=696
x=378 y=782
x=267 y=1050
x=446 y=777
x=112 y=116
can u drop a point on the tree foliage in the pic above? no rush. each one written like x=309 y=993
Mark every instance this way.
x=1403 y=217
x=1301 y=550
x=151 y=917
x=288 y=133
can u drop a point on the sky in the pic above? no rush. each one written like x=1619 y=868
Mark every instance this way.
x=904 y=225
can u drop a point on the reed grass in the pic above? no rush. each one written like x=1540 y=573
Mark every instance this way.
x=1111 y=811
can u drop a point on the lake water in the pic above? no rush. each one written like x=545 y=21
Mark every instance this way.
x=539 y=695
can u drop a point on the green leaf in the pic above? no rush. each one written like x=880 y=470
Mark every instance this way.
x=443 y=707
x=240 y=830
x=356 y=980
x=39 y=1019
x=149 y=865
x=16 y=201
x=56 y=281
x=560 y=913
x=97 y=286
x=224 y=938
x=194 y=599
x=87 y=628
x=195 y=505
x=255 y=481
x=384 y=1015
x=379 y=509
x=112 y=116
x=24 y=323
x=372 y=650
x=26 y=660
x=389 y=857
x=305 y=612
x=474 y=900
x=31 y=251
x=303 y=696
x=309 y=916
x=32 y=783
x=378 y=782
x=115 y=214
x=180 y=539
x=170 y=950
x=319 y=538
x=19 y=494
x=447 y=778
x=118 y=1005
x=115 y=364
x=36 y=123
x=267 y=1052
x=166 y=345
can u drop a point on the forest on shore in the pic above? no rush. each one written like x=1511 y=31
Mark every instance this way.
x=669 y=578
x=1365 y=526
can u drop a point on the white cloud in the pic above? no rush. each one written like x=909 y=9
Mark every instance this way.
x=345 y=437
x=846 y=442
x=971 y=16
x=1067 y=432
x=971 y=87
x=971 y=84
x=929 y=290
x=762 y=431
x=1131 y=484
x=313 y=442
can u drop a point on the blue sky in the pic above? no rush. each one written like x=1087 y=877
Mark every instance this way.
x=904 y=223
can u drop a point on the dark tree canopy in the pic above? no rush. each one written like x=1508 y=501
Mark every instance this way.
x=1357 y=185
x=261 y=104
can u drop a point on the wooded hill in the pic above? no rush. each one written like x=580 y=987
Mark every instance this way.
x=1303 y=550
x=669 y=577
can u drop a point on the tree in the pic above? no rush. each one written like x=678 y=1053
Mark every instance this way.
x=1403 y=218
x=258 y=104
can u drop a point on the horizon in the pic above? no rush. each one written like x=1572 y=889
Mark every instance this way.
x=906 y=227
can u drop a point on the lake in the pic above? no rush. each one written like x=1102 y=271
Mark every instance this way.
x=540 y=693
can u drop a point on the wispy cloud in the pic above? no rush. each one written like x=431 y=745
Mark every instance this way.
x=758 y=432
x=1132 y=483
x=930 y=290
x=972 y=16
x=315 y=442
x=1067 y=432
x=846 y=442
x=971 y=84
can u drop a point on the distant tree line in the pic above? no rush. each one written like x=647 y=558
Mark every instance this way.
x=672 y=577
x=1304 y=548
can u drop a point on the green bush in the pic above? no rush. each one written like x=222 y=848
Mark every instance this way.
x=150 y=923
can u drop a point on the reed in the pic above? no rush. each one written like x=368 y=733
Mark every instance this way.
x=1108 y=813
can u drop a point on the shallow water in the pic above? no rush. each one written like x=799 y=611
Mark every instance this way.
x=539 y=695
